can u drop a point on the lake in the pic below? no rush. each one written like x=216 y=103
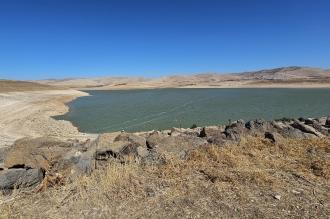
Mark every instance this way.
x=142 y=110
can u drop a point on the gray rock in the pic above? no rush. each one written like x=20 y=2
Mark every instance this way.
x=182 y=131
x=321 y=120
x=122 y=145
x=116 y=149
x=154 y=139
x=305 y=128
x=232 y=134
x=20 y=178
x=234 y=131
x=36 y=153
x=255 y=124
x=273 y=137
x=317 y=126
x=327 y=122
x=142 y=151
x=132 y=138
x=3 y=152
x=173 y=144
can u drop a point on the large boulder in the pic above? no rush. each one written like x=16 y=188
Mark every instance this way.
x=125 y=144
x=51 y=155
x=36 y=153
x=258 y=127
x=285 y=129
x=213 y=134
x=306 y=129
x=20 y=178
x=130 y=137
x=174 y=145
x=235 y=130
x=75 y=163
x=317 y=126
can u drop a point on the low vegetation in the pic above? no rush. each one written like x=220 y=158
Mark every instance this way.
x=15 y=86
x=254 y=178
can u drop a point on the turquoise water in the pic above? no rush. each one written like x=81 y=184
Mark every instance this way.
x=141 y=110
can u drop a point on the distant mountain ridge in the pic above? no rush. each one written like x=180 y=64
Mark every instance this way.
x=292 y=76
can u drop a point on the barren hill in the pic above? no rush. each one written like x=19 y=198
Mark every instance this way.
x=278 y=77
x=9 y=86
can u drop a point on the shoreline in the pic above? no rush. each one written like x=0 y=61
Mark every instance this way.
x=226 y=86
x=29 y=114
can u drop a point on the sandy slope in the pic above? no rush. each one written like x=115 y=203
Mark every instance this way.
x=27 y=114
x=289 y=77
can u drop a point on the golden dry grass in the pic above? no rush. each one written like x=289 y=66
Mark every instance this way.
x=231 y=181
x=11 y=86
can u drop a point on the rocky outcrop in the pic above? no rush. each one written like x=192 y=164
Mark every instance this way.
x=20 y=178
x=36 y=153
x=48 y=155
x=125 y=144
x=28 y=160
x=176 y=145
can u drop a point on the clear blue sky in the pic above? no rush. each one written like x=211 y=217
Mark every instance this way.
x=67 y=38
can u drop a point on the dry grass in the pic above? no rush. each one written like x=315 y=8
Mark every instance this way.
x=11 y=86
x=232 y=181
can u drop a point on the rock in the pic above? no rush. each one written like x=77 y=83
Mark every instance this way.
x=154 y=139
x=305 y=128
x=173 y=144
x=214 y=134
x=292 y=129
x=321 y=120
x=133 y=138
x=75 y=163
x=202 y=133
x=256 y=124
x=232 y=134
x=3 y=152
x=296 y=192
x=182 y=131
x=20 y=178
x=209 y=131
x=122 y=145
x=290 y=132
x=234 y=131
x=116 y=149
x=278 y=197
x=142 y=151
x=273 y=137
x=327 y=122
x=2 y=166
x=317 y=126
x=36 y=153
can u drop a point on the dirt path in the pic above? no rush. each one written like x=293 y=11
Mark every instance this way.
x=28 y=114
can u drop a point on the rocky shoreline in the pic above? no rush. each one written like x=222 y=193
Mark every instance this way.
x=44 y=161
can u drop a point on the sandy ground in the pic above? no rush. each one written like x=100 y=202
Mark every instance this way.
x=28 y=114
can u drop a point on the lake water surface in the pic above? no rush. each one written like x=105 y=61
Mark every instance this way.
x=141 y=110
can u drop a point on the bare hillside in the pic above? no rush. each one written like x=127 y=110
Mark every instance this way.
x=278 y=77
x=10 y=86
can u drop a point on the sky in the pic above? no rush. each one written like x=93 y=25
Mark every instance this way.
x=41 y=39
